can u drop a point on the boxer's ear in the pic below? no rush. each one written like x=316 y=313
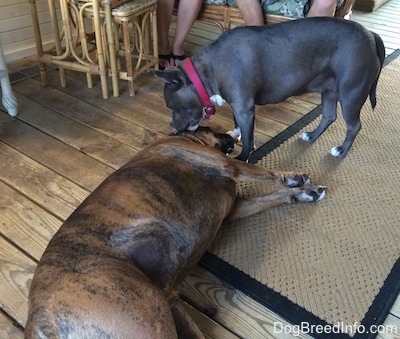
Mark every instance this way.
x=173 y=76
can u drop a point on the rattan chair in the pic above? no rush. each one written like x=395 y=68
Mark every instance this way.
x=94 y=37
x=134 y=26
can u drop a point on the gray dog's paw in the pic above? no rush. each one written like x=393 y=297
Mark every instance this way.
x=310 y=193
x=338 y=151
x=307 y=137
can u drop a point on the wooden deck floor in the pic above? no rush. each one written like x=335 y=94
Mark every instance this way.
x=65 y=141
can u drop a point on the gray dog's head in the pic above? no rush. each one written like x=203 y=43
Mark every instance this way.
x=182 y=99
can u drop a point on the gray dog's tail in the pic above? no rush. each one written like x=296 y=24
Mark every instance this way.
x=380 y=49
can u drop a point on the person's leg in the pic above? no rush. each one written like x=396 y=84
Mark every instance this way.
x=251 y=11
x=164 y=14
x=186 y=16
x=322 y=8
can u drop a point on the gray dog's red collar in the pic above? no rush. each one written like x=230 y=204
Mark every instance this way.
x=208 y=107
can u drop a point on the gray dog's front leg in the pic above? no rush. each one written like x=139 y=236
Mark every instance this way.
x=244 y=120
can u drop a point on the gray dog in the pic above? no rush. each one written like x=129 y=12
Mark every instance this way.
x=250 y=66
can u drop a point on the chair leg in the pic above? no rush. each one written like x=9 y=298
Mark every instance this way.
x=128 y=57
x=100 y=52
x=39 y=44
x=111 y=49
x=54 y=23
x=138 y=53
x=155 y=36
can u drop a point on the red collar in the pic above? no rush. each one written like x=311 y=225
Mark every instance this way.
x=208 y=107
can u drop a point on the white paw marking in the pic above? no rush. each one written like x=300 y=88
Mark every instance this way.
x=335 y=152
x=235 y=134
x=305 y=136
x=305 y=196
x=217 y=99
x=322 y=196
x=192 y=128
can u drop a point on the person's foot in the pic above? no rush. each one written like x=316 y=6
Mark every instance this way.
x=178 y=58
x=165 y=61
x=178 y=53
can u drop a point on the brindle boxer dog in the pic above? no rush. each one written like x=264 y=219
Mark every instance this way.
x=114 y=267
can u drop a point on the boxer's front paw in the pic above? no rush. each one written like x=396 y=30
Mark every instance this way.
x=309 y=194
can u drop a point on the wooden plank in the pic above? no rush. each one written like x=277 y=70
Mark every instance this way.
x=9 y=329
x=142 y=110
x=367 y=5
x=207 y=32
x=388 y=18
x=388 y=36
x=48 y=189
x=372 y=23
x=12 y=37
x=52 y=153
x=9 y=24
x=13 y=10
x=85 y=139
x=210 y=328
x=287 y=112
x=16 y=274
x=128 y=133
x=235 y=311
x=389 y=329
x=279 y=114
x=396 y=308
x=206 y=28
x=25 y=223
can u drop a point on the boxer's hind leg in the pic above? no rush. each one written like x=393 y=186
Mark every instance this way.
x=249 y=206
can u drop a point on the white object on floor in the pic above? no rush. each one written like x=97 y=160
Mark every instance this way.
x=9 y=99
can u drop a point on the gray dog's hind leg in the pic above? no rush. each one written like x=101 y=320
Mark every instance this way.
x=351 y=101
x=353 y=126
x=329 y=114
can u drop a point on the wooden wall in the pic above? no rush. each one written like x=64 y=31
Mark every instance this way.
x=16 y=31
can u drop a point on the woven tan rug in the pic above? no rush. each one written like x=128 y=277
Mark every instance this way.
x=327 y=263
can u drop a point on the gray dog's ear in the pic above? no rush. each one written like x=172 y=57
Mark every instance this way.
x=174 y=76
